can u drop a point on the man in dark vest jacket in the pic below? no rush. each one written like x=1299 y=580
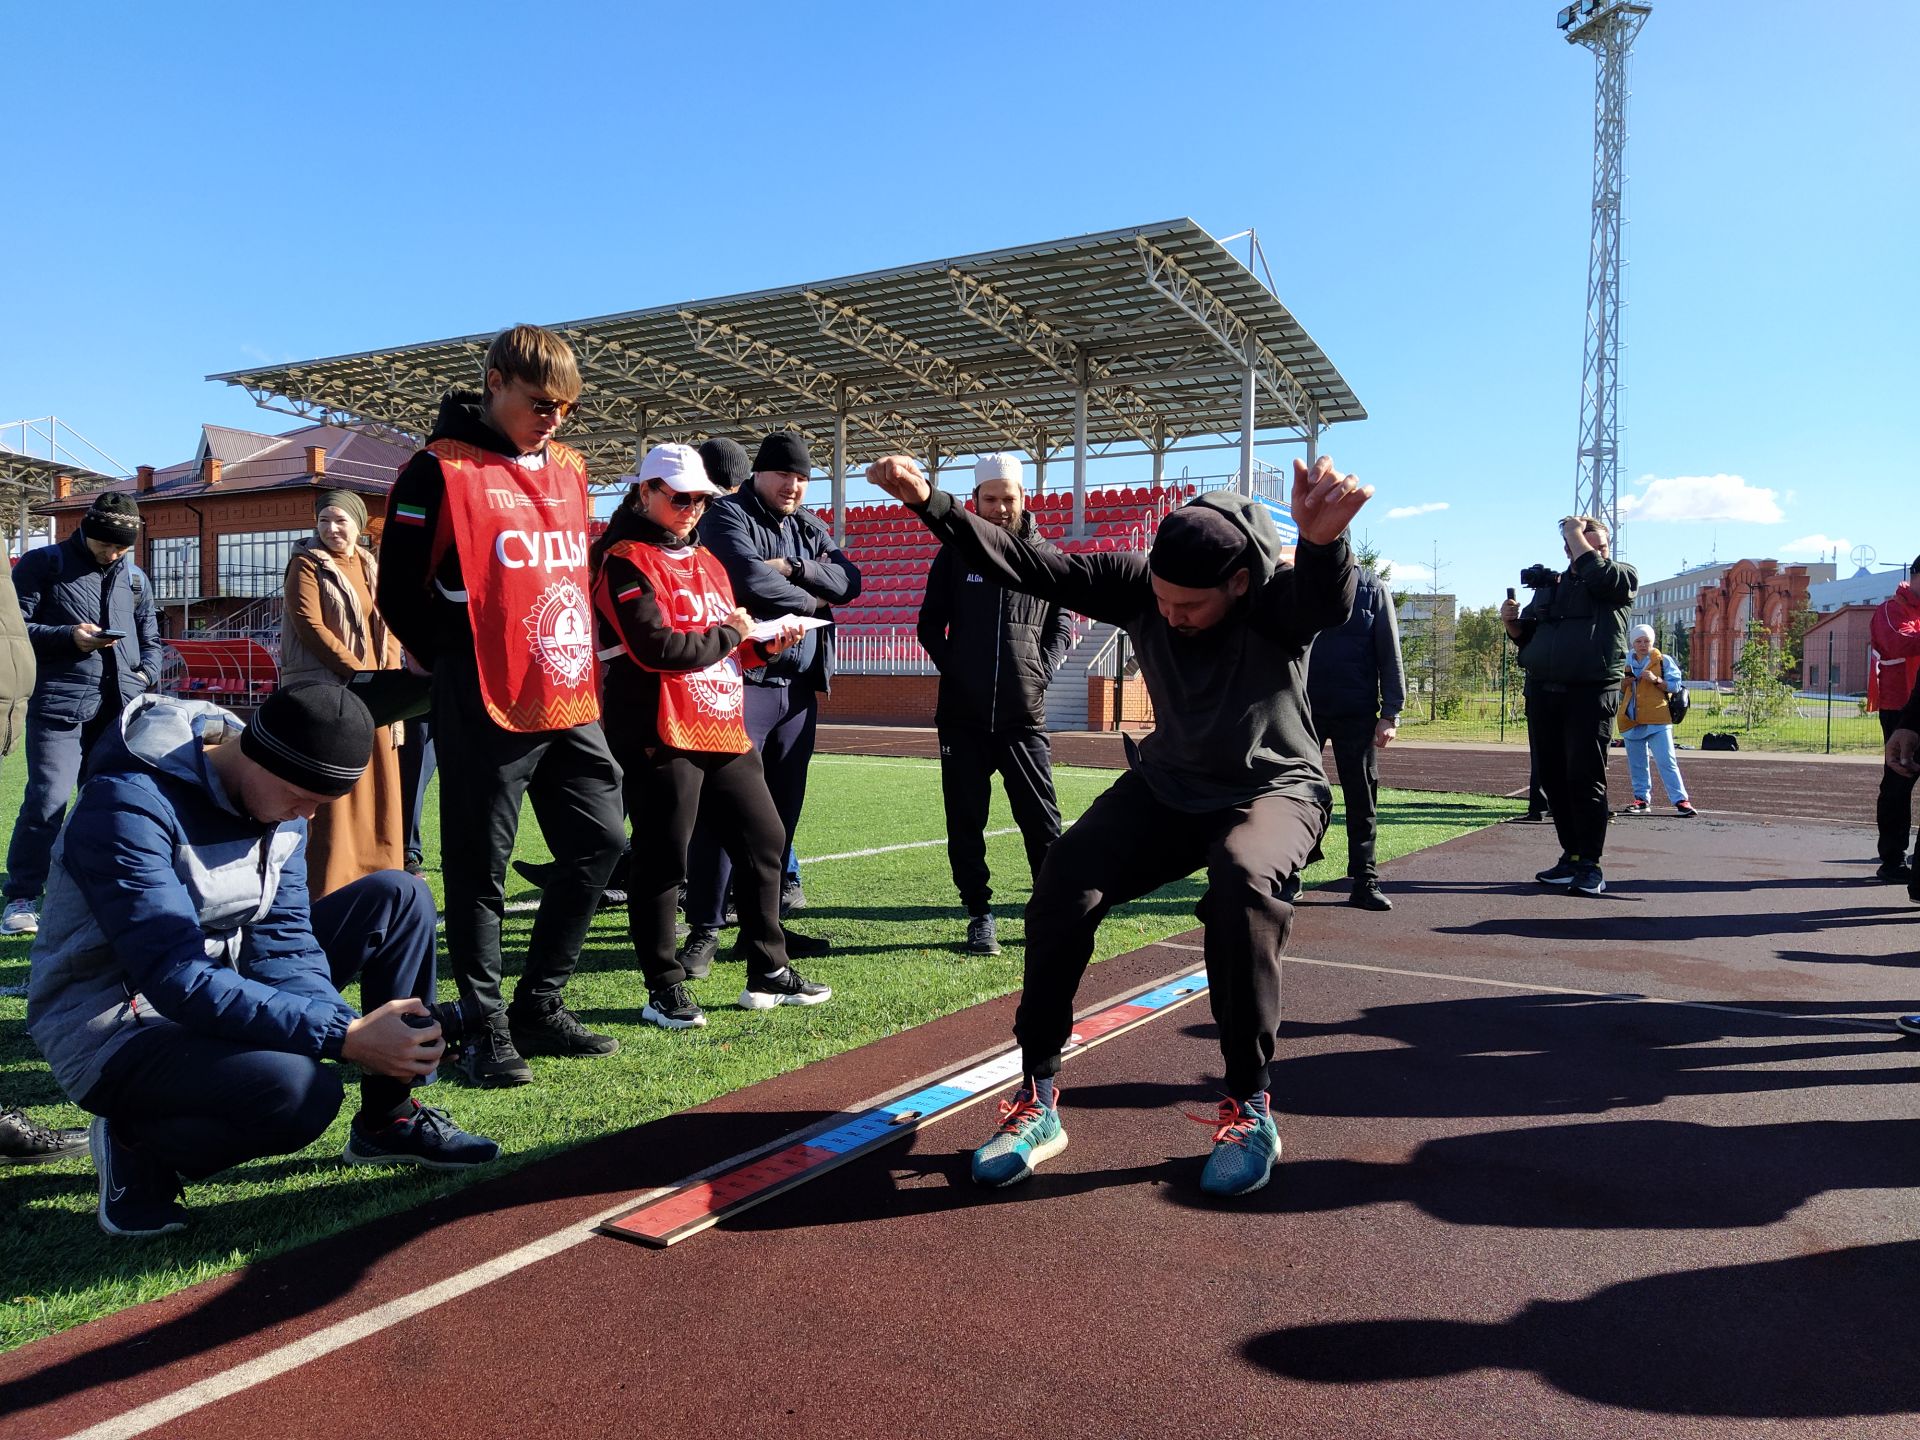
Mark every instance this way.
x=89 y=613
x=23 y=1140
x=996 y=650
x=1573 y=645
x=1356 y=687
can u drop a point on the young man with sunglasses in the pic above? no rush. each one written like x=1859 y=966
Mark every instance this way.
x=483 y=576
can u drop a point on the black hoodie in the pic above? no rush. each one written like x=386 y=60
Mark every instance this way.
x=425 y=620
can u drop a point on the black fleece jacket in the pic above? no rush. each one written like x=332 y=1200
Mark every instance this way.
x=1230 y=704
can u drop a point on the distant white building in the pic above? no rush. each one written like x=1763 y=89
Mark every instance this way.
x=1863 y=587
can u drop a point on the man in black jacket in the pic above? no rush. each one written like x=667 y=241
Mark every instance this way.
x=1229 y=781
x=1357 y=686
x=780 y=561
x=89 y=612
x=996 y=650
x=1573 y=646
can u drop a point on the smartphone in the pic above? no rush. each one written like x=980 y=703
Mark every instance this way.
x=109 y=634
x=1510 y=594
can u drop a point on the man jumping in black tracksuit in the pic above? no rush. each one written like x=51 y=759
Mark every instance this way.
x=1229 y=781
x=996 y=650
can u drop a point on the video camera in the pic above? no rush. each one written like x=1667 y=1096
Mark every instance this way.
x=1539 y=577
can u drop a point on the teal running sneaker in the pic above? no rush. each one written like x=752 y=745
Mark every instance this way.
x=1029 y=1133
x=1246 y=1142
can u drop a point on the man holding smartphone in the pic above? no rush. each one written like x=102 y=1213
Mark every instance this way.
x=89 y=613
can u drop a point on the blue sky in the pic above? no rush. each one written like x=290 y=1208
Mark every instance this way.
x=201 y=187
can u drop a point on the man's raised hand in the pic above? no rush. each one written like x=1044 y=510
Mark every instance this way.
x=900 y=476
x=1325 y=501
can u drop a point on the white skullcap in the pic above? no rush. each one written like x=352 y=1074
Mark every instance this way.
x=1639 y=630
x=997 y=467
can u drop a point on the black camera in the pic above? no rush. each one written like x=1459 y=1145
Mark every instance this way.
x=454 y=1017
x=1539 y=577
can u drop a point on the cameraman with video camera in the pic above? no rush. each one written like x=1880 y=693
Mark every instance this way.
x=1573 y=646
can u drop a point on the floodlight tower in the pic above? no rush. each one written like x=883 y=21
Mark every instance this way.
x=1607 y=29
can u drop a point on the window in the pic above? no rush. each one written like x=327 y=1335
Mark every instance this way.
x=255 y=564
x=174 y=567
x=1813 y=677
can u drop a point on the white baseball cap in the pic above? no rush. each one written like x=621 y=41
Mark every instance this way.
x=1003 y=466
x=678 y=467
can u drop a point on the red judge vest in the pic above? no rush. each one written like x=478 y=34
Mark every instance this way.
x=522 y=540
x=701 y=710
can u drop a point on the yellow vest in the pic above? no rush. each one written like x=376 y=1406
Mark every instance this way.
x=1650 y=701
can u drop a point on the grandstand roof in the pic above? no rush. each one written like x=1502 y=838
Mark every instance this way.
x=972 y=354
x=36 y=474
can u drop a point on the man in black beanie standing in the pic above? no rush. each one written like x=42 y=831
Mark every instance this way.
x=780 y=560
x=184 y=989
x=89 y=613
x=1230 y=780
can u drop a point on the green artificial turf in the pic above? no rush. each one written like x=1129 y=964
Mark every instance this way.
x=897 y=962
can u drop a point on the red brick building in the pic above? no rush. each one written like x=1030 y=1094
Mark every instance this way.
x=1750 y=590
x=216 y=530
x=1835 y=651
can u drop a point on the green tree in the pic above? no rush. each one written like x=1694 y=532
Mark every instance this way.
x=1478 y=637
x=1758 y=694
x=1682 y=650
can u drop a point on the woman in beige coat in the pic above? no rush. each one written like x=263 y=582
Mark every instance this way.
x=330 y=629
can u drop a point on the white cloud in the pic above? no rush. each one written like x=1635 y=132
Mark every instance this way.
x=1408 y=574
x=1402 y=512
x=1701 y=497
x=1817 y=544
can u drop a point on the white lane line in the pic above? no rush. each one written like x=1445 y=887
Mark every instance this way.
x=1623 y=996
x=291 y=1356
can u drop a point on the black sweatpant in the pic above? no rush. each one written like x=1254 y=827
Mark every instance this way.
x=782 y=721
x=1358 y=763
x=1568 y=731
x=671 y=789
x=1893 y=810
x=485 y=772
x=1127 y=844
x=969 y=758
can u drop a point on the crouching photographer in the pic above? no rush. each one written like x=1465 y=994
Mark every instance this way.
x=1573 y=647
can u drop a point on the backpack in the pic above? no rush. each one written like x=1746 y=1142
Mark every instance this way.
x=1719 y=740
x=1677 y=704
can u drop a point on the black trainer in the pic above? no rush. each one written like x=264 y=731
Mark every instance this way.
x=1366 y=896
x=673 y=1009
x=421 y=1136
x=487 y=1056
x=1907 y=1025
x=696 y=956
x=788 y=987
x=1588 y=881
x=1290 y=888
x=138 y=1196
x=1894 y=872
x=792 y=897
x=1562 y=873
x=25 y=1141
x=553 y=1029
x=980 y=937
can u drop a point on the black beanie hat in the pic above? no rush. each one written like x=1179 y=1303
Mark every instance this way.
x=726 y=462
x=318 y=737
x=784 y=450
x=1197 y=547
x=113 y=518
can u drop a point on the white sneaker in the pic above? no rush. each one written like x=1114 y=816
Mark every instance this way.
x=21 y=917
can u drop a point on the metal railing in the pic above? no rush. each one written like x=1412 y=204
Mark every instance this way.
x=880 y=650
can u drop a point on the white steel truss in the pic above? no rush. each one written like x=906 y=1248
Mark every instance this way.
x=1609 y=34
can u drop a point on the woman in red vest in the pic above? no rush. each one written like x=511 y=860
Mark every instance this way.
x=674 y=703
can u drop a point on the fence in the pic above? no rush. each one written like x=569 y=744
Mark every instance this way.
x=880 y=650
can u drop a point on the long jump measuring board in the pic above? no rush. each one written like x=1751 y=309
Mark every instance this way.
x=705 y=1199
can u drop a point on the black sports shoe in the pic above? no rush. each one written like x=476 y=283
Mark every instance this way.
x=138 y=1196
x=696 y=956
x=25 y=1141
x=788 y=987
x=792 y=897
x=1588 y=881
x=1907 y=1025
x=980 y=937
x=554 y=1030
x=1366 y=896
x=673 y=1009
x=487 y=1056
x=1562 y=873
x=1290 y=888
x=423 y=1136
x=1894 y=872
x=805 y=947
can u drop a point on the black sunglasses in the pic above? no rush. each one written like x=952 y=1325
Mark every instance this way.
x=677 y=499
